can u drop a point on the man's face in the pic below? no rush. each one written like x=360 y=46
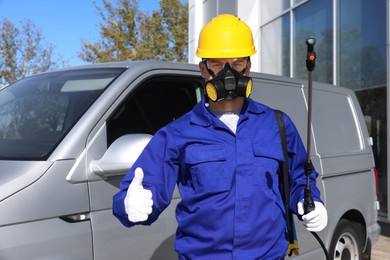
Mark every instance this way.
x=216 y=65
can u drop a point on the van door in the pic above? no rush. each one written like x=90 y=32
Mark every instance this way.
x=44 y=214
x=143 y=108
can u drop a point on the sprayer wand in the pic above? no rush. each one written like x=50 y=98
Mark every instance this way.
x=308 y=204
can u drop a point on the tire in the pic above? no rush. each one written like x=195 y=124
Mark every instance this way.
x=347 y=241
x=367 y=251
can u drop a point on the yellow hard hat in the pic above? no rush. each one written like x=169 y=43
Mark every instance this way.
x=225 y=36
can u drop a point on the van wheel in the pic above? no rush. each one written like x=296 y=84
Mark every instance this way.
x=346 y=242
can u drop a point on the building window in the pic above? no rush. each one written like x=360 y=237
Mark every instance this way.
x=314 y=19
x=362 y=43
x=362 y=67
x=275 y=47
x=270 y=9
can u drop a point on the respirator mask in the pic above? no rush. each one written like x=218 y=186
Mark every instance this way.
x=228 y=84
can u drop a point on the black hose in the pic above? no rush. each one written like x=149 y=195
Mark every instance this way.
x=322 y=244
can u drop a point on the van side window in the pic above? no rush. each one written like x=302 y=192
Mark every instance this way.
x=154 y=104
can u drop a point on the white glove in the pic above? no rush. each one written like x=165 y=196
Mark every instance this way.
x=316 y=220
x=138 y=201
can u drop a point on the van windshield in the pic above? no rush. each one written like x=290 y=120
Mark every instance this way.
x=37 y=112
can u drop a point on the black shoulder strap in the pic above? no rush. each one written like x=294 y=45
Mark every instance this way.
x=285 y=175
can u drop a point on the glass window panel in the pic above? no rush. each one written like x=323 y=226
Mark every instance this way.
x=362 y=67
x=298 y=1
x=275 y=47
x=272 y=8
x=211 y=10
x=227 y=7
x=314 y=18
x=362 y=43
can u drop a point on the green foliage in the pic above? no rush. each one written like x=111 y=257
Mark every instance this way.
x=22 y=51
x=129 y=34
x=175 y=17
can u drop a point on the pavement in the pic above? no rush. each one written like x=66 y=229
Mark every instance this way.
x=381 y=249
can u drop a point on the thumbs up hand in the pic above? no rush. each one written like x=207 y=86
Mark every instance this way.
x=138 y=201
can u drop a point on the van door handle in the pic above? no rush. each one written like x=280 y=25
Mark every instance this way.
x=76 y=217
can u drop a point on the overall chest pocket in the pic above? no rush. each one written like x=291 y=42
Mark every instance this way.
x=207 y=166
x=267 y=157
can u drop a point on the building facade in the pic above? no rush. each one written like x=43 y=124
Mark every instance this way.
x=353 y=51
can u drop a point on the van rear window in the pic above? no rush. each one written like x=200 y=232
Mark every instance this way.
x=37 y=112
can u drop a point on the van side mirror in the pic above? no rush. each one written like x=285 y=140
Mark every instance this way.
x=120 y=156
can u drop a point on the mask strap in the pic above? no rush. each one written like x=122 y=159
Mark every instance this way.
x=212 y=74
x=248 y=59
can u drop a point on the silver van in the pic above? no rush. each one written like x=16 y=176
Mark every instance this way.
x=67 y=137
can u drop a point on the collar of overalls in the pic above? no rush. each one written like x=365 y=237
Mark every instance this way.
x=203 y=117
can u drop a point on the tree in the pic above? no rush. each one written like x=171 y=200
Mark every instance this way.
x=175 y=17
x=154 y=41
x=129 y=34
x=23 y=51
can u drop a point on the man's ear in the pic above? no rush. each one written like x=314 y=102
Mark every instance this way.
x=203 y=70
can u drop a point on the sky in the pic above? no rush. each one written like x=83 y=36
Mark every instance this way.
x=63 y=23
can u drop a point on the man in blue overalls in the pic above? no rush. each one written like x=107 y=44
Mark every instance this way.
x=224 y=156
